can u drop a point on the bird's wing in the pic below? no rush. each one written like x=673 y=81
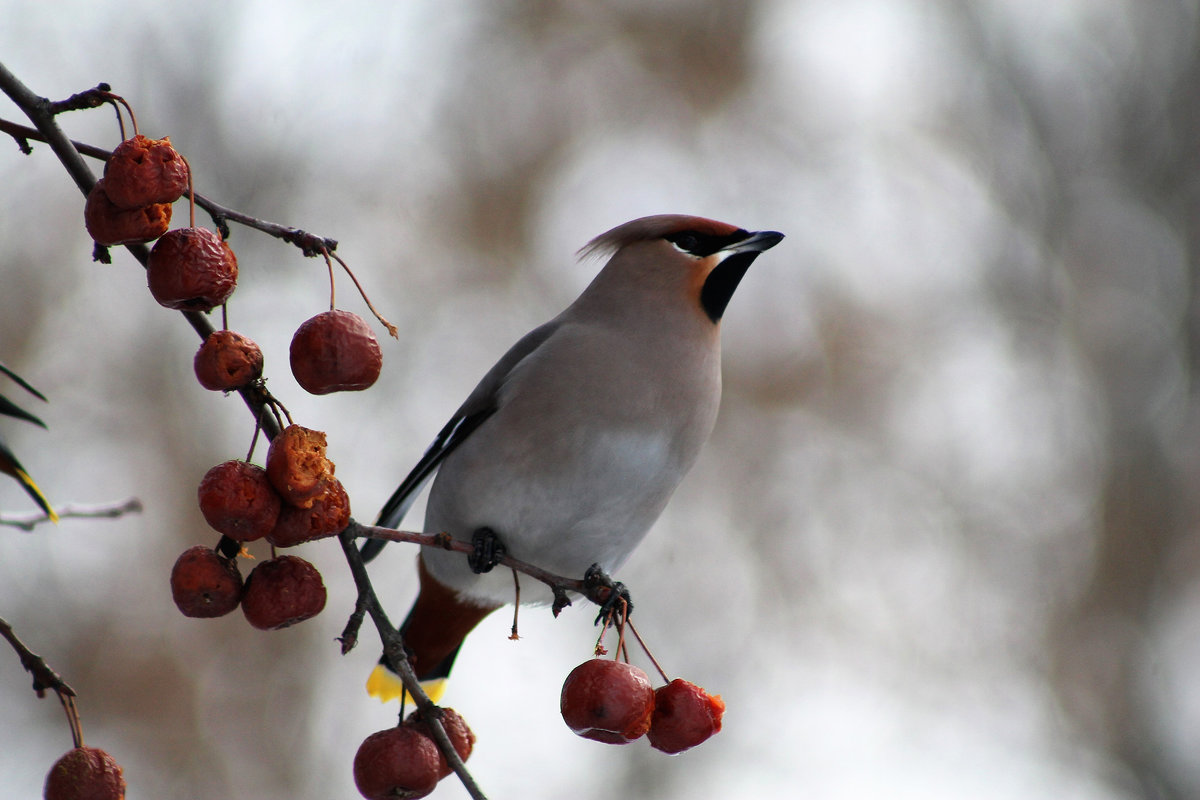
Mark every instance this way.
x=479 y=405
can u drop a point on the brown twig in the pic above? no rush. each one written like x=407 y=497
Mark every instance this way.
x=559 y=585
x=310 y=244
x=397 y=657
x=45 y=678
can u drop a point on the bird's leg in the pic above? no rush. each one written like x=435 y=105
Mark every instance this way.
x=488 y=551
x=612 y=596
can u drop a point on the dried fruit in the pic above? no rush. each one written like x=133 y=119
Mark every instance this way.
x=396 y=763
x=297 y=466
x=282 y=592
x=205 y=584
x=227 y=360
x=335 y=351
x=684 y=716
x=456 y=728
x=142 y=171
x=606 y=700
x=238 y=500
x=85 y=773
x=108 y=224
x=191 y=269
x=329 y=514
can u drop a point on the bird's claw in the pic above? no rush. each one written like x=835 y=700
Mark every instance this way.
x=488 y=551
x=612 y=596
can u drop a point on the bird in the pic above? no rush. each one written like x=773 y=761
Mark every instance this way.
x=571 y=445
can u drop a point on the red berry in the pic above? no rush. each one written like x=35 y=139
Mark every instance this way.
x=238 y=500
x=684 y=716
x=142 y=171
x=396 y=763
x=282 y=592
x=456 y=728
x=227 y=361
x=191 y=269
x=297 y=466
x=85 y=773
x=335 y=351
x=109 y=225
x=606 y=700
x=205 y=584
x=328 y=515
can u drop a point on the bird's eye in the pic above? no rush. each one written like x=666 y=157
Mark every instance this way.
x=687 y=242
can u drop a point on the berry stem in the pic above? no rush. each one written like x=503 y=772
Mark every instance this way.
x=254 y=439
x=646 y=649
x=390 y=327
x=329 y=263
x=115 y=99
x=516 y=603
x=191 y=192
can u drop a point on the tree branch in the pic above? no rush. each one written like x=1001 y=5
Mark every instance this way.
x=310 y=244
x=28 y=522
x=45 y=678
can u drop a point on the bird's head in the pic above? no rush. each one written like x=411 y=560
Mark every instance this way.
x=699 y=260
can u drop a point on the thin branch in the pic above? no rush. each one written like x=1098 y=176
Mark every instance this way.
x=27 y=522
x=45 y=678
x=558 y=584
x=397 y=657
x=310 y=244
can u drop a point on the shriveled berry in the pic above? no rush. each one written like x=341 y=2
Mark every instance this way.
x=329 y=514
x=684 y=716
x=335 y=351
x=297 y=466
x=282 y=592
x=227 y=360
x=606 y=700
x=239 y=501
x=142 y=171
x=108 y=224
x=85 y=773
x=191 y=269
x=396 y=763
x=456 y=728
x=205 y=584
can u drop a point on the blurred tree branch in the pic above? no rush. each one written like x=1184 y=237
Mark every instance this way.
x=27 y=522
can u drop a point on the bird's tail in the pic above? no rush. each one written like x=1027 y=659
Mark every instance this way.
x=10 y=466
x=385 y=684
x=433 y=632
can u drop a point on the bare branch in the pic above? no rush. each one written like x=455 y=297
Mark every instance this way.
x=45 y=678
x=27 y=522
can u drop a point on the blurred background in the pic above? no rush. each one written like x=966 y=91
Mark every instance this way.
x=943 y=541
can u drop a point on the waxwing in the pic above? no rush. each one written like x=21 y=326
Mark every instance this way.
x=571 y=445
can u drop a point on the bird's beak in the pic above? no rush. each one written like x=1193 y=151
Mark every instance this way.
x=756 y=242
x=732 y=263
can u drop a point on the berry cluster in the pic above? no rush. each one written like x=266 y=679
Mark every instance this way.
x=295 y=499
x=613 y=702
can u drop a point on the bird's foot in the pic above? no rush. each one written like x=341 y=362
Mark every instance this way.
x=488 y=551
x=612 y=596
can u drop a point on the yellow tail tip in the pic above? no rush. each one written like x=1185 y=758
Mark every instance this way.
x=387 y=686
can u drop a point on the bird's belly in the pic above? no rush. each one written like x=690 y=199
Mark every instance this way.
x=561 y=504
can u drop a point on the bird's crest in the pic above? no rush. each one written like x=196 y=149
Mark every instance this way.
x=649 y=228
